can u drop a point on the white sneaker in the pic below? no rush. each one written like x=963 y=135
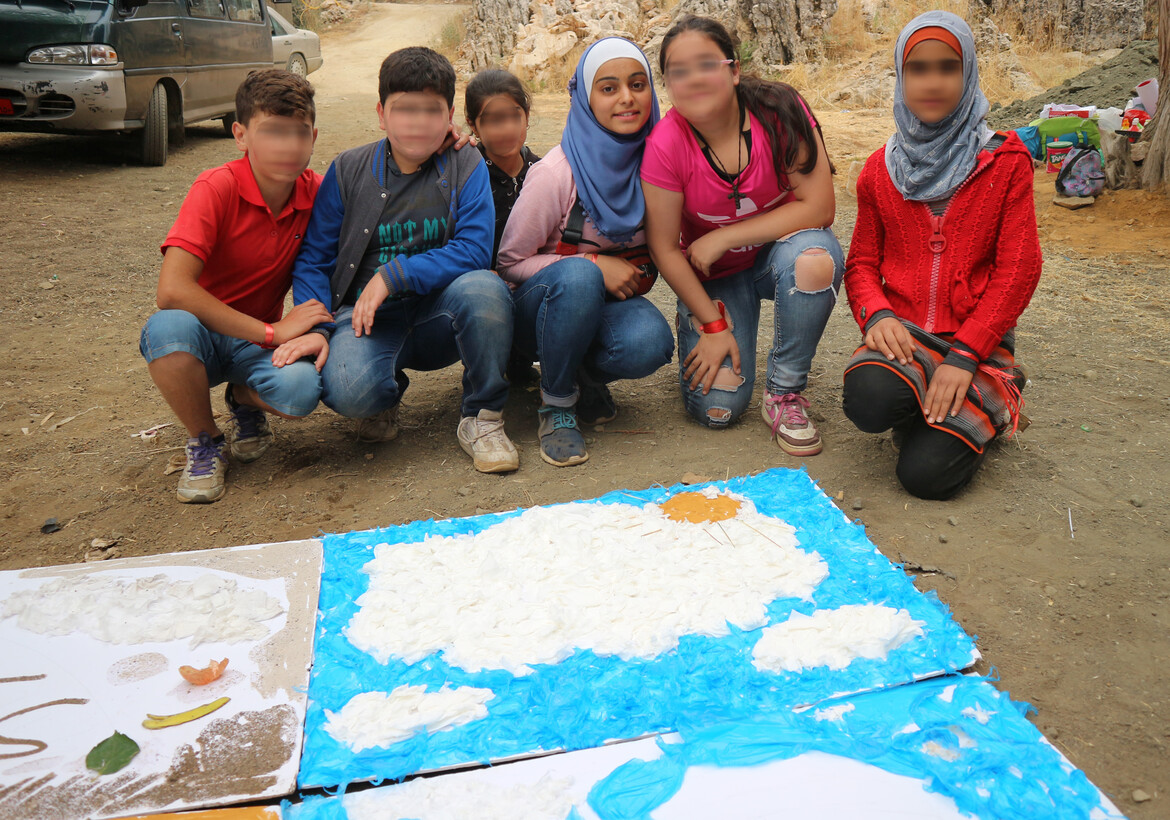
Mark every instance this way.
x=483 y=438
x=380 y=426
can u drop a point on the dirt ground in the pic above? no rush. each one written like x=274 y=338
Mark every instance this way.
x=1056 y=557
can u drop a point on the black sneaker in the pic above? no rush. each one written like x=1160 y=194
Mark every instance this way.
x=520 y=370
x=595 y=404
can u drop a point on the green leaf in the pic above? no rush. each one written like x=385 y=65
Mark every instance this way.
x=112 y=754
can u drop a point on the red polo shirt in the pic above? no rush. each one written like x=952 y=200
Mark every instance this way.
x=247 y=253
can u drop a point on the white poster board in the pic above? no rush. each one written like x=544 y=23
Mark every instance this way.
x=811 y=785
x=93 y=649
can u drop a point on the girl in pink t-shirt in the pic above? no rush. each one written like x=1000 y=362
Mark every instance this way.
x=739 y=171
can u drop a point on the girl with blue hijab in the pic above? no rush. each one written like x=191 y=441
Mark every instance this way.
x=573 y=252
x=944 y=259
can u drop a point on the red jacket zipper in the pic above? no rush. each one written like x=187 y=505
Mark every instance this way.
x=938 y=244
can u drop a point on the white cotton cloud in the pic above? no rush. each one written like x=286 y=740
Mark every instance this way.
x=384 y=718
x=457 y=798
x=617 y=579
x=833 y=637
x=212 y=608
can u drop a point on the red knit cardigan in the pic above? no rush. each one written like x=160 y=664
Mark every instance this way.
x=970 y=272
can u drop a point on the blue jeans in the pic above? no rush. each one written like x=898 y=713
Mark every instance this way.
x=564 y=320
x=470 y=320
x=800 y=320
x=292 y=390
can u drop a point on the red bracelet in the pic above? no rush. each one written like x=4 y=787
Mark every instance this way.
x=719 y=325
x=965 y=354
x=269 y=335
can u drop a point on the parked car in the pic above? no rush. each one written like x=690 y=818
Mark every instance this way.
x=145 y=66
x=294 y=48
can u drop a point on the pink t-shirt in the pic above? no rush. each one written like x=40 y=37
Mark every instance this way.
x=674 y=161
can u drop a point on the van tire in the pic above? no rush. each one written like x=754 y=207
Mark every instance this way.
x=297 y=65
x=155 y=132
x=227 y=121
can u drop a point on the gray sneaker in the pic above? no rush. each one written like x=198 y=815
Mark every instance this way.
x=561 y=442
x=380 y=426
x=203 y=476
x=250 y=434
x=483 y=438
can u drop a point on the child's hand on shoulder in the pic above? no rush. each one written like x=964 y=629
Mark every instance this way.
x=311 y=344
x=947 y=392
x=456 y=139
x=891 y=338
x=373 y=295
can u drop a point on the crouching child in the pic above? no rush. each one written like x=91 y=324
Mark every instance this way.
x=226 y=269
x=399 y=245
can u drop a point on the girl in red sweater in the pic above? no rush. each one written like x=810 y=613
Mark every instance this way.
x=944 y=259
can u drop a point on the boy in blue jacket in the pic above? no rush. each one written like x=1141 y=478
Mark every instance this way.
x=399 y=244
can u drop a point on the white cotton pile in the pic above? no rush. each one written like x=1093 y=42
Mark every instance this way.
x=833 y=637
x=457 y=797
x=209 y=609
x=616 y=579
x=382 y=719
x=834 y=714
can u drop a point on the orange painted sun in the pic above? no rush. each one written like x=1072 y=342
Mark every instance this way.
x=698 y=508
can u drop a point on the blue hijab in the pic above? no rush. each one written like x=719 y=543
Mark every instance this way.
x=928 y=162
x=606 y=165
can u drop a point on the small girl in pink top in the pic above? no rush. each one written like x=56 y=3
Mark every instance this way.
x=739 y=170
x=577 y=309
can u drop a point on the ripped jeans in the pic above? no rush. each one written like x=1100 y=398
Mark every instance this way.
x=800 y=319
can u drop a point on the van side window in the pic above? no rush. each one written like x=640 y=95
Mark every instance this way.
x=205 y=8
x=245 y=11
x=277 y=28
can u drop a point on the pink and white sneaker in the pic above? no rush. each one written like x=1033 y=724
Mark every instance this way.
x=788 y=419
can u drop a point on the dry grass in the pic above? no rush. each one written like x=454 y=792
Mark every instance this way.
x=854 y=32
x=452 y=37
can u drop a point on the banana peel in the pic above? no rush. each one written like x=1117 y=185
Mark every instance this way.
x=163 y=721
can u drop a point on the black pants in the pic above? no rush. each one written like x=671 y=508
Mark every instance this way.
x=932 y=464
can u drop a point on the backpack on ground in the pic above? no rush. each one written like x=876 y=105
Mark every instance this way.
x=1082 y=174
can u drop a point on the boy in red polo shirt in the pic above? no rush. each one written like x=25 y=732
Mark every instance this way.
x=226 y=269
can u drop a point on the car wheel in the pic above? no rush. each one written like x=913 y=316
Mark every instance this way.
x=227 y=121
x=298 y=66
x=154 y=134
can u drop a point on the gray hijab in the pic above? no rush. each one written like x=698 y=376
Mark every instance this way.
x=928 y=162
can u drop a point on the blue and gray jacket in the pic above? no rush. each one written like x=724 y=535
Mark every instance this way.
x=347 y=211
